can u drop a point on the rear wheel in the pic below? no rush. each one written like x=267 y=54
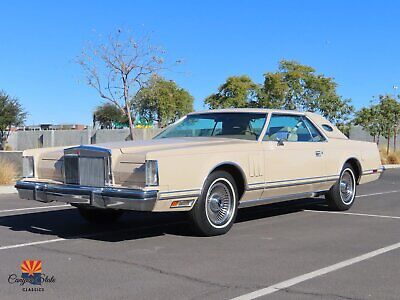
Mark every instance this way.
x=341 y=196
x=100 y=216
x=215 y=211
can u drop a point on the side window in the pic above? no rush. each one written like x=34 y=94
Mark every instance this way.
x=257 y=125
x=316 y=135
x=288 y=128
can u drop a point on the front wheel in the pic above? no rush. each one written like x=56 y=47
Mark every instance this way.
x=341 y=196
x=100 y=216
x=215 y=211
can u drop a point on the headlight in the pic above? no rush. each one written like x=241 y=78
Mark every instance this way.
x=28 y=167
x=151 y=173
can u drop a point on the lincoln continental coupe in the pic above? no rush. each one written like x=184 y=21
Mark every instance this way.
x=209 y=164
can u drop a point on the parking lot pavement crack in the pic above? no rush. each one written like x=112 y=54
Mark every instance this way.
x=319 y=295
x=153 y=269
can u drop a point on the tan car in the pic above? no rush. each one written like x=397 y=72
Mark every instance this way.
x=208 y=163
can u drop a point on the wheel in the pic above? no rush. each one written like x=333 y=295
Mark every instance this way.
x=100 y=216
x=215 y=211
x=341 y=196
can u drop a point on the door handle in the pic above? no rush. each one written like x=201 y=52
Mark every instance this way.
x=319 y=153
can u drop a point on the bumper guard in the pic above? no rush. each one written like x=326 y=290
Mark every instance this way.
x=99 y=197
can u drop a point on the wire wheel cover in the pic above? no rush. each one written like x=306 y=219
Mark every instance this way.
x=219 y=203
x=347 y=187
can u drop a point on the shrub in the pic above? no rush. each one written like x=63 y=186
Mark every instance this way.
x=391 y=158
x=8 y=172
x=384 y=156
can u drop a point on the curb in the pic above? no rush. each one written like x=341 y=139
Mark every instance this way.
x=386 y=167
x=7 y=189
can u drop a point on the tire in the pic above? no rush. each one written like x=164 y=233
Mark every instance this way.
x=215 y=210
x=100 y=216
x=343 y=198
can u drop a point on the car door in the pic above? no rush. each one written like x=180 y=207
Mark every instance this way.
x=293 y=156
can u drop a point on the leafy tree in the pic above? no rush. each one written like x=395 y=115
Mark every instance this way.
x=381 y=119
x=11 y=114
x=110 y=116
x=293 y=86
x=370 y=119
x=298 y=87
x=120 y=67
x=390 y=111
x=237 y=91
x=163 y=101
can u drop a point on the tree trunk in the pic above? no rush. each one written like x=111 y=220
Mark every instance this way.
x=388 y=143
x=3 y=140
x=127 y=105
x=130 y=123
x=394 y=140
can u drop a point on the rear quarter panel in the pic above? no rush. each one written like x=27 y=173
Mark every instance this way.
x=338 y=151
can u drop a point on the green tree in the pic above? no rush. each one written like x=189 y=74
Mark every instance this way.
x=390 y=112
x=370 y=119
x=298 y=87
x=237 y=91
x=381 y=119
x=294 y=86
x=163 y=101
x=110 y=116
x=11 y=114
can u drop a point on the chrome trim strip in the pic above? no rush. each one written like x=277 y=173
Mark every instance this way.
x=267 y=185
x=374 y=171
x=88 y=148
x=180 y=196
x=306 y=178
x=180 y=191
x=270 y=200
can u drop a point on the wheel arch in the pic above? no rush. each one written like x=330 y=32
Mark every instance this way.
x=237 y=173
x=355 y=163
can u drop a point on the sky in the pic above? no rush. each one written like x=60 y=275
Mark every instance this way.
x=356 y=42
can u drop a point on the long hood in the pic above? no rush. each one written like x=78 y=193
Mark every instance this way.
x=168 y=144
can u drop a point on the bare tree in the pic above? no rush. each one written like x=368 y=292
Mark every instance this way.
x=120 y=67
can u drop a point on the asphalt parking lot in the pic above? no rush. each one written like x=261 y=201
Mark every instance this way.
x=297 y=250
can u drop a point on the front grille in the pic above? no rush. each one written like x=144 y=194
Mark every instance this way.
x=89 y=168
x=71 y=169
x=92 y=171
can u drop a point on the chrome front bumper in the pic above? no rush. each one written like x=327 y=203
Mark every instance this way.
x=105 y=197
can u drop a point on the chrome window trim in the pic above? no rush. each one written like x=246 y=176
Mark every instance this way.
x=296 y=115
x=318 y=129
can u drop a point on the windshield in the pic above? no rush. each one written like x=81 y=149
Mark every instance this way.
x=247 y=126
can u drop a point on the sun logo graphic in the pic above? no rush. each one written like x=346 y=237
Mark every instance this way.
x=32 y=271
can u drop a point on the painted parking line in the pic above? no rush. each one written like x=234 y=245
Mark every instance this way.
x=375 y=194
x=31 y=244
x=299 y=279
x=34 y=208
x=352 y=214
x=90 y=235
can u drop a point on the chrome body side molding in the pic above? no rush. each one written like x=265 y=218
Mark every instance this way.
x=270 y=200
